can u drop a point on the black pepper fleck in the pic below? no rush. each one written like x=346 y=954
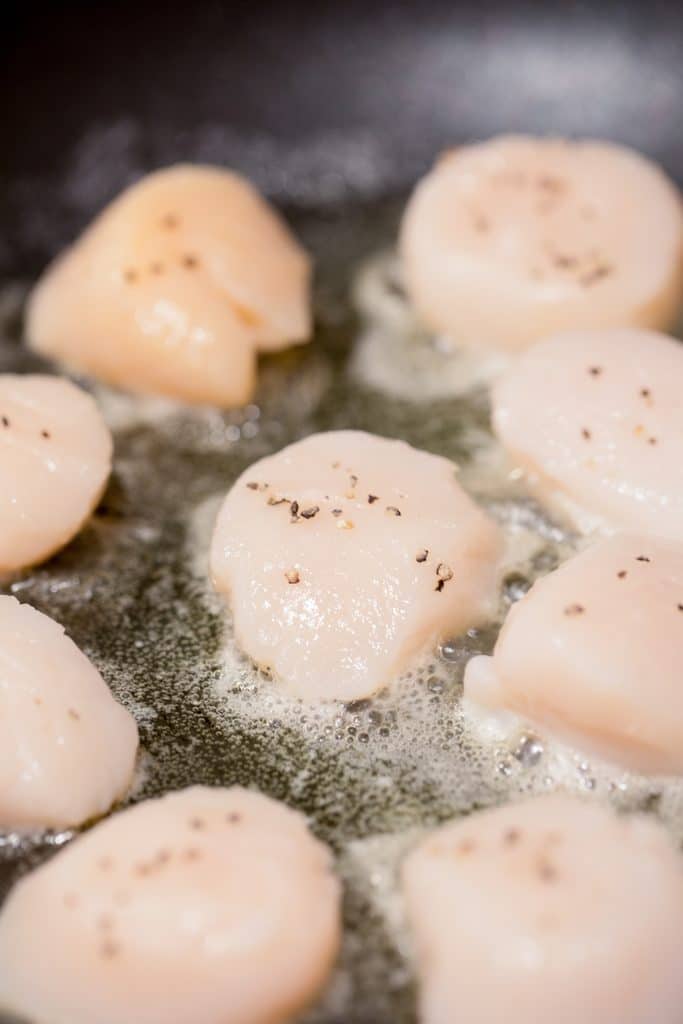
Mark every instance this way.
x=422 y=556
x=550 y=184
x=547 y=872
x=622 y=574
x=309 y=513
x=109 y=949
x=595 y=371
x=574 y=609
x=5 y=421
x=596 y=274
x=563 y=261
x=393 y=511
x=642 y=558
x=372 y=498
x=586 y=434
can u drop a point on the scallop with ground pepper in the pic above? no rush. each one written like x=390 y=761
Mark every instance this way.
x=207 y=906
x=67 y=748
x=594 y=654
x=175 y=288
x=548 y=910
x=382 y=570
x=601 y=450
x=508 y=240
x=55 y=460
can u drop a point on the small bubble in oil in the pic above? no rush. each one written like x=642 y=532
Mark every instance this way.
x=449 y=650
x=515 y=587
x=529 y=750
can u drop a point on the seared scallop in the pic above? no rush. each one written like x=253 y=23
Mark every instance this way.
x=67 y=748
x=174 y=289
x=594 y=654
x=509 y=240
x=347 y=554
x=603 y=446
x=55 y=459
x=548 y=910
x=207 y=906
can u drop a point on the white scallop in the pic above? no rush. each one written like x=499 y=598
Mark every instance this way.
x=595 y=420
x=55 y=460
x=506 y=241
x=345 y=555
x=174 y=289
x=594 y=654
x=207 y=906
x=549 y=910
x=67 y=748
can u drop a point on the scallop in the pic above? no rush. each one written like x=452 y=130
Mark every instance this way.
x=55 y=459
x=67 y=748
x=602 y=449
x=175 y=288
x=509 y=240
x=207 y=905
x=346 y=555
x=594 y=654
x=548 y=910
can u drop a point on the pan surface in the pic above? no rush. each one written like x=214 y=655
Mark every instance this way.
x=333 y=110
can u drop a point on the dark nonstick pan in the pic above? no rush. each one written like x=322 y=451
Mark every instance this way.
x=333 y=109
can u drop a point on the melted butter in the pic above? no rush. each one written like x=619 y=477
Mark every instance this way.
x=133 y=592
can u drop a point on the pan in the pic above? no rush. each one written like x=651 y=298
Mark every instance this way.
x=333 y=110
